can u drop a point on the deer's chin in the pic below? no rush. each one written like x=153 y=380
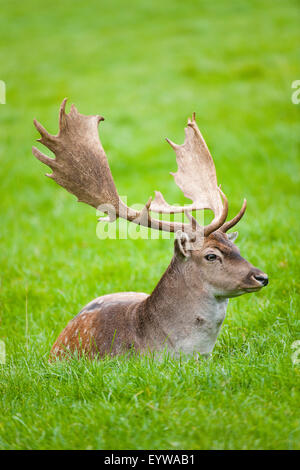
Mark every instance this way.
x=240 y=291
x=230 y=294
x=248 y=290
x=253 y=289
x=237 y=293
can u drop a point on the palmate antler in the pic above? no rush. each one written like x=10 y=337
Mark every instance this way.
x=81 y=167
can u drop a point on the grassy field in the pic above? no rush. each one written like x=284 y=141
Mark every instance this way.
x=146 y=66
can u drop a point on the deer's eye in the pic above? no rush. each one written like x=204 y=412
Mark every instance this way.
x=211 y=257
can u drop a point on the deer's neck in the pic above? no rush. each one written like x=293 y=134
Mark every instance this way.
x=187 y=316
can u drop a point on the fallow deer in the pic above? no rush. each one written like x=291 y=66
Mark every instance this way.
x=186 y=309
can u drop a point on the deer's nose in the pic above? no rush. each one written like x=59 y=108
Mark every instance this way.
x=262 y=278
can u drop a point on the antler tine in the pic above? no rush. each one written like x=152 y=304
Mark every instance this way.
x=51 y=162
x=193 y=120
x=62 y=114
x=226 y=226
x=173 y=145
x=194 y=223
x=144 y=215
x=46 y=139
x=218 y=221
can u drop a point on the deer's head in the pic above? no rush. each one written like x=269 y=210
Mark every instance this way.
x=218 y=266
x=82 y=168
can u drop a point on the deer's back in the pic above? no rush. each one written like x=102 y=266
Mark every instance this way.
x=108 y=324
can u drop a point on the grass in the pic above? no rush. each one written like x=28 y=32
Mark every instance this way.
x=146 y=68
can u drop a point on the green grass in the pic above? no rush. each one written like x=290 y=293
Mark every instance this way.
x=146 y=66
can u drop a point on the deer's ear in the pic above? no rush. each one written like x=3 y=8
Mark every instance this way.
x=232 y=236
x=182 y=243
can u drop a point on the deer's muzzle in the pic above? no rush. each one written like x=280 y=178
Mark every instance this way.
x=258 y=279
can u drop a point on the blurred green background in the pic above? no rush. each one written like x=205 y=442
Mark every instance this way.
x=146 y=66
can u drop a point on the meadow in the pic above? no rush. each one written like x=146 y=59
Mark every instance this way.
x=146 y=66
